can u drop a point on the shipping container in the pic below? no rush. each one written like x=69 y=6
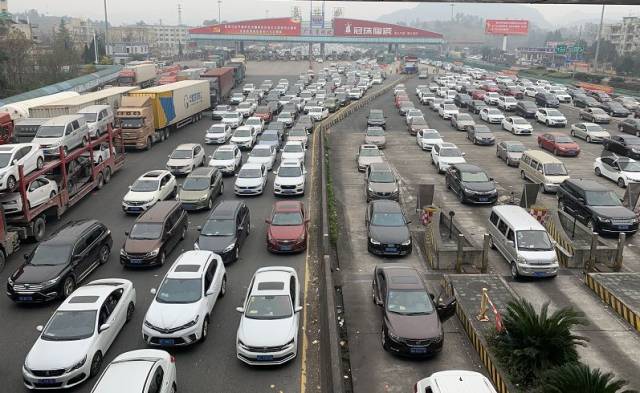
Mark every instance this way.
x=110 y=96
x=20 y=109
x=141 y=75
x=221 y=82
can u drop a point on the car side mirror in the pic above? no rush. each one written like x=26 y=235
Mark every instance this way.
x=240 y=310
x=446 y=307
x=26 y=257
x=268 y=221
x=153 y=291
x=40 y=328
x=297 y=309
x=126 y=233
x=510 y=243
x=210 y=292
x=103 y=327
x=491 y=179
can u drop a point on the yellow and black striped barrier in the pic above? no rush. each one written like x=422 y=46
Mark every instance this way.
x=612 y=300
x=564 y=247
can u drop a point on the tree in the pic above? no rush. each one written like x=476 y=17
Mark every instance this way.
x=210 y=22
x=533 y=343
x=580 y=378
x=627 y=64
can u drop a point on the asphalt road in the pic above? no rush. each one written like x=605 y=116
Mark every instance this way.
x=208 y=367
x=373 y=370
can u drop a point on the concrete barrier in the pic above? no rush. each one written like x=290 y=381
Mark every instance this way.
x=621 y=291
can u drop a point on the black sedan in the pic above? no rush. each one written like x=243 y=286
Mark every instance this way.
x=630 y=126
x=615 y=109
x=471 y=184
x=387 y=229
x=526 y=109
x=57 y=265
x=585 y=101
x=476 y=106
x=462 y=100
x=623 y=145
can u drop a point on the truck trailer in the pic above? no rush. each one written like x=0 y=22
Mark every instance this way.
x=140 y=75
x=221 y=82
x=110 y=96
x=20 y=109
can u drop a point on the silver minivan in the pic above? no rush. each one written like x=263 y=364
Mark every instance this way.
x=68 y=132
x=523 y=242
x=99 y=118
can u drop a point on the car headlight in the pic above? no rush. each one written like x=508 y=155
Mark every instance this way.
x=230 y=247
x=123 y=252
x=190 y=323
x=204 y=197
x=51 y=282
x=154 y=252
x=408 y=242
x=10 y=280
x=370 y=189
x=469 y=191
x=276 y=185
x=374 y=242
x=78 y=364
x=392 y=335
x=604 y=219
x=521 y=259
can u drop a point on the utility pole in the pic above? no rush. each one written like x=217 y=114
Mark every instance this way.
x=106 y=28
x=179 y=14
x=595 y=59
x=452 y=7
x=575 y=58
x=219 y=12
x=95 y=46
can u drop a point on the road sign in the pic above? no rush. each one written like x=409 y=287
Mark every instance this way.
x=577 y=49
x=561 y=49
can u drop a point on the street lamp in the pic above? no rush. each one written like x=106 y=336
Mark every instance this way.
x=595 y=58
x=219 y=12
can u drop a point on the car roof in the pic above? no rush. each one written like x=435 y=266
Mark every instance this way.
x=271 y=274
x=384 y=205
x=461 y=381
x=71 y=230
x=15 y=146
x=131 y=375
x=226 y=209
x=587 y=185
x=157 y=174
x=287 y=206
x=205 y=171
x=380 y=166
x=159 y=212
x=186 y=146
x=518 y=217
x=464 y=167
x=447 y=145
x=63 y=120
x=88 y=297
x=227 y=147
x=251 y=165
x=190 y=264
x=93 y=108
x=402 y=277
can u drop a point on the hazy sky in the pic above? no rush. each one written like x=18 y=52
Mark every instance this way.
x=195 y=11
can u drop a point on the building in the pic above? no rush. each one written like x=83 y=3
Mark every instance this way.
x=170 y=38
x=123 y=52
x=163 y=40
x=624 y=35
x=132 y=34
x=4 y=7
x=81 y=31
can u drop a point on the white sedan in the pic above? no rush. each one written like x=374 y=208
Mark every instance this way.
x=517 y=125
x=185 y=158
x=550 y=117
x=491 y=115
x=263 y=154
x=622 y=170
x=39 y=191
x=218 y=133
x=180 y=311
x=233 y=119
x=427 y=138
x=590 y=132
x=148 y=189
x=29 y=155
x=142 y=370
x=272 y=305
x=251 y=180
x=256 y=122
x=78 y=335
x=293 y=150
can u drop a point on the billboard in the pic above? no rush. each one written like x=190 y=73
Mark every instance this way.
x=361 y=28
x=276 y=26
x=506 y=26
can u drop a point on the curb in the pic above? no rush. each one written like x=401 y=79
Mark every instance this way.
x=612 y=300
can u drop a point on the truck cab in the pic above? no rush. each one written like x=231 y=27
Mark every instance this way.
x=6 y=128
x=135 y=117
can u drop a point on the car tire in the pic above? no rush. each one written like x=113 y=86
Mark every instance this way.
x=39 y=228
x=491 y=244
x=96 y=364
x=461 y=197
x=130 y=309
x=183 y=234
x=107 y=174
x=162 y=258
x=621 y=183
x=561 y=206
x=85 y=141
x=209 y=204
x=555 y=151
x=12 y=184
x=68 y=286
x=40 y=163
x=100 y=181
x=572 y=133
x=223 y=287
x=588 y=139
x=149 y=143
x=205 y=329
x=104 y=254
x=236 y=253
x=598 y=171
x=508 y=161
x=590 y=224
x=523 y=176
x=221 y=189
x=174 y=388
x=514 y=271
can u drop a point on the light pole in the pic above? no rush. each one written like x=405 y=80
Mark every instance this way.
x=595 y=59
x=106 y=28
x=219 y=12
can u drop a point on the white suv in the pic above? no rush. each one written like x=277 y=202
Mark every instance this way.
x=290 y=178
x=153 y=370
x=29 y=155
x=445 y=154
x=293 y=150
x=180 y=310
x=227 y=158
x=218 y=133
x=454 y=381
x=148 y=189
x=272 y=305
x=244 y=137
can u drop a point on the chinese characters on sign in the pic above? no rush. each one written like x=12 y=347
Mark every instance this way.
x=360 y=28
x=506 y=27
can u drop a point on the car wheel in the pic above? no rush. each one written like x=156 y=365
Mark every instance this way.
x=555 y=151
x=65 y=150
x=546 y=122
x=223 y=286
x=621 y=183
x=12 y=184
x=588 y=139
x=461 y=197
x=40 y=163
x=221 y=189
x=209 y=204
x=162 y=258
x=572 y=133
x=96 y=365
x=130 y=309
x=174 y=388
x=100 y=181
x=598 y=171
x=514 y=271
x=183 y=234
x=508 y=161
x=105 y=251
x=85 y=141
x=236 y=253
x=174 y=192
x=491 y=245
x=107 y=174
x=205 y=329
x=68 y=286
x=590 y=225
x=522 y=175
x=561 y=206
x=149 y=143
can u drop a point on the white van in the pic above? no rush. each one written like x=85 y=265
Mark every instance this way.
x=522 y=241
x=455 y=381
x=68 y=131
x=98 y=118
x=542 y=168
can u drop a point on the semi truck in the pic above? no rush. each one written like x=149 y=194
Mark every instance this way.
x=168 y=107
x=190 y=74
x=6 y=128
x=20 y=109
x=110 y=96
x=77 y=175
x=141 y=75
x=221 y=82
x=239 y=70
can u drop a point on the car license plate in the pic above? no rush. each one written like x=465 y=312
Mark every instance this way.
x=136 y=261
x=48 y=381
x=166 y=341
x=623 y=226
x=483 y=199
x=25 y=298
x=264 y=358
x=135 y=209
x=285 y=248
x=418 y=350
x=390 y=249
x=539 y=274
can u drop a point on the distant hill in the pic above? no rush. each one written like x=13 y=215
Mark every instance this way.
x=442 y=11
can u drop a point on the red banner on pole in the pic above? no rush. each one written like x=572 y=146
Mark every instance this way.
x=361 y=28
x=276 y=26
x=506 y=27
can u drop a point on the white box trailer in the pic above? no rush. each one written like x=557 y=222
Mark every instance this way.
x=110 y=96
x=20 y=109
x=177 y=104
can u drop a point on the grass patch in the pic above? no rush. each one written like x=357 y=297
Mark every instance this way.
x=334 y=228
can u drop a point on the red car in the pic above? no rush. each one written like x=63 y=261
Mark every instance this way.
x=287 y=227
x=490 y=87
x=559 y=144
x=512 y=91
x=401 y=98
x=264 y=113
x=478 y=95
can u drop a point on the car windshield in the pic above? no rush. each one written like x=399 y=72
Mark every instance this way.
x=409 y=302
x=217 y=129
x=482 y=130
x=376 y=115
x=519 y=121
x=90 y=117
x=269 y=307
x=516 y=148
x=418 y=120
x=253 y=122
x=388 y=219
x=289 y=171
x=593 y=128
x=249 y=173
x=5 y=159
x=598 y=111
x=230 y=115
x=285 y=115
x=70 y=325
x=563 y=139
x=260 y=153
x=492 y=111
x=242 y=133
x=223 y=155
x=369 y=152
x=146 y=231
x=181 y=154
x=474 y=177
x=220 y=108
x=297 y=133
x=288 y=218
x=629 y=166
x=131 y=122
x=50 y=132
x=531 y=240
x=50 y=254
x=269 y=137
x=450 y=152
x=465 y=117
x=196 y=183
x=375 y=132
x=431 y=135
x=179 y=290
x=293 y=148
x=450 y=107
x=382 y=177
x=145 y=185
x=215 y=227
x=602 y=198
x=553 y=112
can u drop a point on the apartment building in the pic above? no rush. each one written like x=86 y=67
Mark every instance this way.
x=624 y=35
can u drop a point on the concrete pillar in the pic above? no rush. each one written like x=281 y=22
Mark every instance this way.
x=310 y=50
x=242 y=47
x=390 y=48
x=322 y=50
x=397 y=49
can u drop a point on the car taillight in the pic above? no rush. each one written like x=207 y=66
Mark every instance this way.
x=173 y=359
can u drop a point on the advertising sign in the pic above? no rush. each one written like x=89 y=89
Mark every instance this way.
x=277 y=26
x=361 y=28
x=507 y=26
